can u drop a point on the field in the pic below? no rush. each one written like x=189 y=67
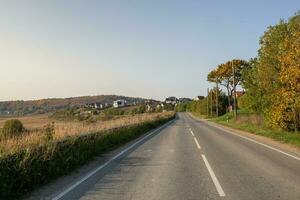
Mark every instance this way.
x=30 y=122
x=35 y=125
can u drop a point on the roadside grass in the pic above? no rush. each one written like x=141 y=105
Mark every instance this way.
x=199 y=115
x=253 y=124
x=36 y=164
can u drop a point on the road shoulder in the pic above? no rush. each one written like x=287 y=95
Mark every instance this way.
x=265 y=140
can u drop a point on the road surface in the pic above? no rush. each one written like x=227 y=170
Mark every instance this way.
x=190 y=159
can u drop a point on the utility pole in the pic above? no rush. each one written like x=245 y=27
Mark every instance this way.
x=296 y=119
x=217 y=100
x=211 y=103
x=207 y=102
x=234 y=91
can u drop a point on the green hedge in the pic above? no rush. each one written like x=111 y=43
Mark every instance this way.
x=21 y=172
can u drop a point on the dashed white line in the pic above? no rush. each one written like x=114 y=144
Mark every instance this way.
x=192 y=133
x=70 y=188
x=213 y=177
x=197 y=143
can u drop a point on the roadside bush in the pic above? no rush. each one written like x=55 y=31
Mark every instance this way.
x=114 y=111
x=12 y=128
x=49 y=132
x=181 y=107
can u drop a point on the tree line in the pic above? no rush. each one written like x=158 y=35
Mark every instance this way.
x=271 y=80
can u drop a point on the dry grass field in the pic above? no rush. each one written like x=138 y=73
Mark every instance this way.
x=66 y=129
x=30 y=122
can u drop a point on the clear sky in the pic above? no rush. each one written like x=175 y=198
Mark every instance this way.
x=154 y=48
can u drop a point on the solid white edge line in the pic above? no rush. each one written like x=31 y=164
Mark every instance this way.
x=108 y=162
x=197 y=143
x=213 y=176
x=249 y=139
x=262 y=144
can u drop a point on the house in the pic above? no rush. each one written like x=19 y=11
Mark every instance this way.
x=91 y=105
x=199 y=98
x=184 y=100
x=97 y=105
x=161 y=105
x=149 y=108
x=7 y=112
x=152 y=105
x=119 y=103
x=171 y=100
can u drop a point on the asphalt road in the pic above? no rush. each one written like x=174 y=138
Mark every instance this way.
x=190 y=159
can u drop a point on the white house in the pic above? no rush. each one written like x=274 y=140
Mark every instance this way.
x=171 y=100
x=119 y=103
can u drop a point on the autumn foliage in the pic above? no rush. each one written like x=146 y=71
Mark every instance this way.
x=272 y=81
x=223 y=75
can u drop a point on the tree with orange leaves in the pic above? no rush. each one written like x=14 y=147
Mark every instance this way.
x=223 y=75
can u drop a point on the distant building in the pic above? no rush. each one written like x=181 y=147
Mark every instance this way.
x=148 y=108
x=171 y=100
x=97 y=105
x=152 y=105
x=199 y=98
x=160 y=105
x=7 y=112
x=119 y=103
x=184 y=100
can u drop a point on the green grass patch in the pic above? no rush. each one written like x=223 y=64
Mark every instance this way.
x=199 y=115
x=279 y=135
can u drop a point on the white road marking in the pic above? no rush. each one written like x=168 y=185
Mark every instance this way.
x=262 y=144
x=213 y=177
x=249 y=139
x=192 y=133
x=70 y=188
x=197 y=143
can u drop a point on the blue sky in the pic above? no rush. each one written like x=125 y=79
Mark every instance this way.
x=139 y=48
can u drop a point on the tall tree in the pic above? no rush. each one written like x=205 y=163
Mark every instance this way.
x=223 y=75
x=252 y=100
x=272 y=81
x=288 y=101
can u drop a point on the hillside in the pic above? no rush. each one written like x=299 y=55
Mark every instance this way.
x=20 y=108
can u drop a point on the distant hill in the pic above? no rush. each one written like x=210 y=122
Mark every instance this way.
x=20 y=108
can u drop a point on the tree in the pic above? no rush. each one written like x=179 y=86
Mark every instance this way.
x=223 y=75
x=200 y=106
x=272 y=81
x=252 y=100
x=181 y=107
x=287 y=105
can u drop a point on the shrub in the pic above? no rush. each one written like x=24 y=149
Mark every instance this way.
x=49 y=132
x=12 y=127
